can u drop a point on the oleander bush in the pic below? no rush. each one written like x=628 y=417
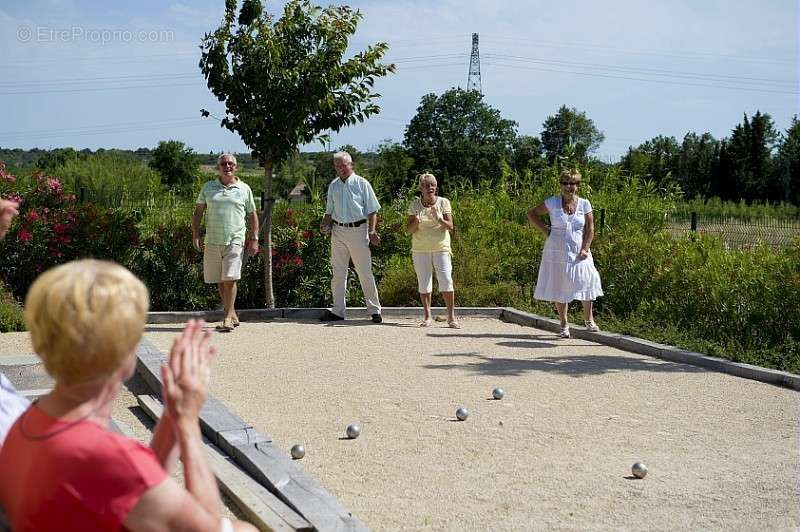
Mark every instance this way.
x=53 y=228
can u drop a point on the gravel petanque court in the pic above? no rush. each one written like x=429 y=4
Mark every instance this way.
x=554 y=454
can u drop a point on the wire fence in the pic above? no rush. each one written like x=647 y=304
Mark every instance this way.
x=736 y=233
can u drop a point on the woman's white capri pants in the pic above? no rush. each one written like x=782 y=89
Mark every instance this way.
x=424 y=264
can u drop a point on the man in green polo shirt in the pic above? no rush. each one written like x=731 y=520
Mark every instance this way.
x=229 y=206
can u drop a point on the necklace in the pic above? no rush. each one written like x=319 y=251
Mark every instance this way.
x=568 y=206
x=422 y=200
x=40 y=437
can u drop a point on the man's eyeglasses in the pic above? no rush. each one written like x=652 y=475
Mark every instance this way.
x=567 y=183
x=227 y=163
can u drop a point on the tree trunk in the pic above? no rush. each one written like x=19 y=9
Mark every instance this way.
x=266 y=227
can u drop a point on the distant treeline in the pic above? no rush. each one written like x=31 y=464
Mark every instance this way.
x=47 y=159
x=465 y=142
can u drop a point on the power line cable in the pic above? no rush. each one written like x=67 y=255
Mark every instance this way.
x=683 y=55
x=165 y=121
x=642 y=70
x=650 y=80
x=94 y=89
x=105 y=79
x=181 y=75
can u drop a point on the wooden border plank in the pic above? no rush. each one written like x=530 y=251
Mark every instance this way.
x=273 y=468
x=261 y=507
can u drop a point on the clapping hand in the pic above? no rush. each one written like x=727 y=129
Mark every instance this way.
x=437 y=213
x=8 y=209
x=186 y=376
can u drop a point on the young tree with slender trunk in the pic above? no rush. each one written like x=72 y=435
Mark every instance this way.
x=286 y=82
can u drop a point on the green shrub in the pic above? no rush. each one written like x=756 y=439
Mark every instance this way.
x=111 y=179
x=11 y=315
x=398 y=288
x=172 y=270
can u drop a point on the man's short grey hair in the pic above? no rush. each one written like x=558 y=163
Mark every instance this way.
x=343 y=156
x=232 y=156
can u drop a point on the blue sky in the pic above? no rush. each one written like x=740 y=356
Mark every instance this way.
x=93 y=74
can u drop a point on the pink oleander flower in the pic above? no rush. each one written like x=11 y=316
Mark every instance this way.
x=4 y=176
x=60 y=229
x=54 y=184
x=298 y=261
x=33 y=216
x=306 y=234
x=25 y=235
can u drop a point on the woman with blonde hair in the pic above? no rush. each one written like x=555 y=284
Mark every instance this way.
x=430 y=220
x=62 y=468
x=567 y=270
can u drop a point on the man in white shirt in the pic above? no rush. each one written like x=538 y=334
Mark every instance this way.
x=351 y=215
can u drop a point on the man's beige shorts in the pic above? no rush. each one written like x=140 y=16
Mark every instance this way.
x=222 y=263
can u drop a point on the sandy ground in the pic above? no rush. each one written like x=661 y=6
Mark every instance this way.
x=554 y=454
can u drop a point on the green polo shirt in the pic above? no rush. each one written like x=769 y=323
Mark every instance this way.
x=226 y=210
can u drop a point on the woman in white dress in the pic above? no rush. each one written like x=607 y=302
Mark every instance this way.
x=567 y=270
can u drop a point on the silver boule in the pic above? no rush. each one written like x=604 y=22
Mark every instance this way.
x=639 y=470
x=353 y=431
x=462 y=413
x=498 y=393
x=298 y=451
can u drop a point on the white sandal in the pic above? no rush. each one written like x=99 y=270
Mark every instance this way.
x=425 y=323
x=454 y=324
x=564 y=332
x=592 y=326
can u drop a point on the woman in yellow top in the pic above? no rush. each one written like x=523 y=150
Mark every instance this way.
x=430 y=220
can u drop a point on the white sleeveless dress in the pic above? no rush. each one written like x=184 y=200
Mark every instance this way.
x=563 y=276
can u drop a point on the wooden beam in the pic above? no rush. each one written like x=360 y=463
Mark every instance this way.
x=261 y=507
